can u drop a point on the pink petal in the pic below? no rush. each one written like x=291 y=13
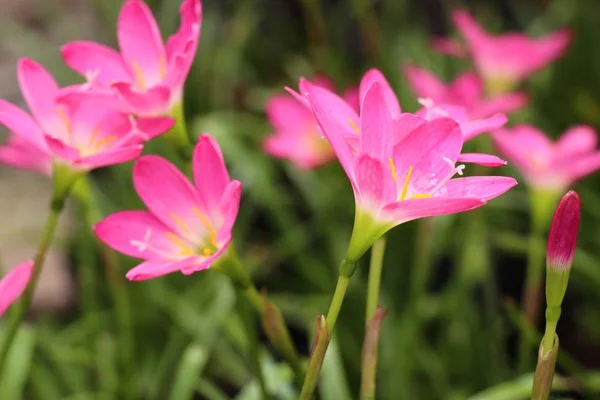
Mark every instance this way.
x=153 y=127
x=300 y=97
x=376 y=123
x=548 y=48
x=14 y=283
x=475 y=128
x=404 y=125
x=20 y=123
x=137 y=234
x=372 y=76
x=210 y=173
x=525 y=146
x=335 y=117
x=110 y=157
x=468 y=27
x=202 y=263
x=61 y=149
x=427 y=150
x=449 y=47
x=153 y=102
x=503 y=104
x=578 y=140
x=40 y=91
x=486 y=160
x=424 y=83
x=286 y=113
x=581 y=167
x=182 y=46
x=376 y=186
x=229 y=206
x=141 y=43
x=96 y=60
x=352 y=97
x=156 y=268
x=408 y=210
x=480 y=187
x=19 y=153
x=170 y=196
x=466 y=90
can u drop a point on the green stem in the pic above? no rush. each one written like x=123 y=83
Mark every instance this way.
x=336 y=302
x=374 y=284
x=178 y=135
x=544 y=371
x=315 y=29
x=84 y=193
x=253 y=346
x=18 y=314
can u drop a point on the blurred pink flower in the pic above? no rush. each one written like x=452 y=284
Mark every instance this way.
x=84 y=136
x=404 y=165
x=297 y=136
x=506 y=58
x=13 y=284
x=187 y=227
x=465 y=91
x=146 y=77
x=545 y=164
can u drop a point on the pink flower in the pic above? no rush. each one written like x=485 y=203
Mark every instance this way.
x=404 y=165
x=465 y=91
x=187 y=227
x=83 y=136
x=547 y=165
x=562 y=239
x=507 y=58
x=14 y=283
x=297 y=136
x=146 y=77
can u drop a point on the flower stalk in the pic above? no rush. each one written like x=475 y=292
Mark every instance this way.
x=369 y=355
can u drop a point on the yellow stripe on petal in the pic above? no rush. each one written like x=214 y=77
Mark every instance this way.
x=393 y=169
x=354 y=126
x=185 y=248
x=64 y=118
x=162 y=67
x=139 y=75
x=420 y=196
x=207 y=225
x=180 y=223
x=405 y=187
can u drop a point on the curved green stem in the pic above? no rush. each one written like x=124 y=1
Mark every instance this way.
x=374 y=283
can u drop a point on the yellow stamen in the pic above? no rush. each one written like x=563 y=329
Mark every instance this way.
x=420 y=196
x=405 y=187
x=105 y=141
x=162 y=67
x=63 y=118
x=354 y=126
x=179 y=222
x=207 y=252
x=393 y=169
x=93 y=137
x=207 y=225
x=185 y=249
x=139 y=75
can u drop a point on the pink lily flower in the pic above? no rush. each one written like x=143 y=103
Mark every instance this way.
x=404 y=165
x=146 y=77
x=465 y=91
x=83 y=136
x=13 y=284
x=187 y=227
x=547 y=165
x=297 y=135
x=505 y=59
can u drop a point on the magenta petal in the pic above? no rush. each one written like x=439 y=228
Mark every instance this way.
x=156 y=268
x=153 y=102
x=182 y=46
x=95 y=60
x=372 y=76
x=137 y=234
x=20 y=123
x=480 y=187
x=486 y=160
x=300 y=97
x=375 y=184
x=61 y=150
x=287 y=113
x=153 y=127
x=110 y=157
x=13 y=284
x=210 y=173
x=474 y=128
x=408 y=210
x=229 y=206
x=19 y=153
x=376 y=124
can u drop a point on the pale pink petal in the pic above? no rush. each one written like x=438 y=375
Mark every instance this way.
x=376 y=123
x=577 y=140
x=480 y=187
x=40 y=91
x=20 y=123
x=372 y=76
x=19 y=153
x=408 y=210
x=486 y=160
x=475 y=128
x=169 y=195
x=156 y=268
x=155 y=101
x=404 y=125
x=287 y=113
x=298 y=96
x=210 y=173
x=141 y=43
x=110 y=157
x=449 y=47
x=580 y=166
x=229 y=206
x=466 y=90
x=375 y=183
x=107 y=97
x=96 y=60
x=525 y=146
x=469 y=28
x=547 y=49
x=14 y=283
x=61 y=150
x=424 y=83
x=138 y=234
x=503 y=104
x=423 y=157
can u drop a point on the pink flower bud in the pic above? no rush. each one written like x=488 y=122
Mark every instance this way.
x=562 y=239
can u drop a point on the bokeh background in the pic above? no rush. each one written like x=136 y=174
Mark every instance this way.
x=452 y=293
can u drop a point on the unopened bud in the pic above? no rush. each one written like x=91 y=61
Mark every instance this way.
x=562 y=239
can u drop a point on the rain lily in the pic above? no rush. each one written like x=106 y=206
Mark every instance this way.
x=465 y=91
x=147 y=77
x=546 y=165
x=297 y=136
x=187 y=227
x=13 y=284
x=403 y=166
x=562 y=239
x=82 y=136
x=504 y=60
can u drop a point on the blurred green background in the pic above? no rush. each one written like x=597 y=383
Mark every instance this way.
x=452 y=292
